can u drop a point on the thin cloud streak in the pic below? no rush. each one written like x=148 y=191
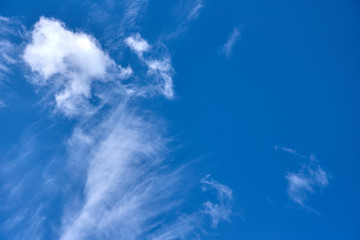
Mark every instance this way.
x=188 y=11
x=194 y=10
x=9 y=28
x=229 y=45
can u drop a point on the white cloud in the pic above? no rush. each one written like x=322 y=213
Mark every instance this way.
x=56 y=50
x=187 y=226
x=133 y=9
x=292 y=152
x=127 y=183
x=307 y=180
x=69 y=63
x=6 y=50
x=118 y=182
x=195 y=9
x=183 y=228
x=217 y=211
x=9 y=28
x=163 y=69
x=285 y=149
x=137 y=44
x=11 y=35
x=232 y=39
x=160 y=68
x=223 y=191
x=187 y=12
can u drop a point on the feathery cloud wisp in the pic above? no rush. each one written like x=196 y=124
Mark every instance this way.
x=194 y=10
x=305 y=182
x=8 y=50
x=309 y=178
x=227 y=48
x=160 y=68
x=217 y=211
x=118 y=161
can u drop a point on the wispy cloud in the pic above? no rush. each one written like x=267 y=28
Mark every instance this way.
x=308 y=179
x=187 y=12
x=133 y=10
x=11 y=36
x=220 y=211
x=159 y=67
x=116 y=180
x=126 y=185
x=291 y=151
x=189 y=226
x=194 y=9
x=227 y=48
x=185 y=227
x=6 y=50
x=23 y=204
x=305 y=182
x=114 y=25
x=9 y=28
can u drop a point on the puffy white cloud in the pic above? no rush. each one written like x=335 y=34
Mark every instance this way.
x=56 y=50
x=69 y=62
x=137 y=44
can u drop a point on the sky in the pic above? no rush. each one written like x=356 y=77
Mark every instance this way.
x=186 y=119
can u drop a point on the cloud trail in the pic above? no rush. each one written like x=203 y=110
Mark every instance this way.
x=194 y=10
x=227 y=48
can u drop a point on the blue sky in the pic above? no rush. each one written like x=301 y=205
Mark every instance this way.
x=182 y=119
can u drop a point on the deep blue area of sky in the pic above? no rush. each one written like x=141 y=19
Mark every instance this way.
x=293 y=80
